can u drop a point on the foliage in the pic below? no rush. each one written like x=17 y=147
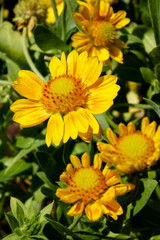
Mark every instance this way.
x=29 y=170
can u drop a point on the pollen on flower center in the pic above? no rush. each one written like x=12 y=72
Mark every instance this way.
x=103 y=33
x=64 y=93
x=135 y=146
x=88 y=183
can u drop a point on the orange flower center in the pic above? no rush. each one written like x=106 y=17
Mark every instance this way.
x=103 y=33
x=135 y=147
x=88 y=183
x=64 y=93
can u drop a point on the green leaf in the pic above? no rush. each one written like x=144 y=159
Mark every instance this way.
x=12 y=236
x=12 y=221
x=44 y=211
x=11 y=44
x=63 y=229
x=30 y=208
x=13 y=70
x=147 y=74
x=49 y=165
x=47 y=40
x=18 y=209
x=22 y=142
x=153 y=105
x=146 y=188
x=154 y=9
x=154 y=54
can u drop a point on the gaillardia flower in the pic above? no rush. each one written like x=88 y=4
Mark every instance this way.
x=50 y=14
x=69 y=99
x=91 y=189
x=99 y=24
x=133 y=150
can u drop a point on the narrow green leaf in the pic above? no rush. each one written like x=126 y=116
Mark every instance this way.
x=155 y=107
x=146 y=188
x=12 y=221
x=154 y=9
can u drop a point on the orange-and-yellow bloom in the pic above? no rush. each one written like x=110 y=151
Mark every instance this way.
x=99 y=24
x=69 y=99
x=91 y=189
x=133 y=150
x=50 y=14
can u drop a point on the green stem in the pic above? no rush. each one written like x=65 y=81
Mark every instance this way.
x=54 y=9
x=143 y=106
x=76 y=220
x=4 y=82
x=27 y=55
x=63 y=22
x=1 y=12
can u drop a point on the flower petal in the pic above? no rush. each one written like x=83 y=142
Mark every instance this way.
x=66 y=195
x=116 y=53
x=97 y=161
x=76 y=210
x=57 y=67
x=29 y=113
x=102 y=95
x=75 y=161
x=55 y=128
x=85 y=160
x=93 y=211
x=28 y=84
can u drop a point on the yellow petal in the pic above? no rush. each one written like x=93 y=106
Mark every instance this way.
x=70 y=169
x=116 y=53
x=112 y=209
x=86 y=137
x=122 y=129
x=97 y=161
x=117 y=17
x=109 y=195
x=72 y=62
x=85 y=160
x=28 y=84
x=92 y=71
x=29 y=113
x=93 y=211
x=69 y=128
x=150 y=131
x=121 y=189
x=76 y=210
x=75 y=161
x=64 y=177
x=66 y=195
x=57 y=67
x=122 y=23
x=55 y=128
x=105 y=11
x=131 y=128
x=101 y=52
x=111 y=136
x=91 y=120
x=78 y=121
x=102 y=95
x=112 y=178
x=144 y=124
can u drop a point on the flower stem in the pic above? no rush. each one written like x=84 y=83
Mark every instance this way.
x=76 y=220
x=4 y=82
x=54 y=9
x=1 y=13
x=27 y=55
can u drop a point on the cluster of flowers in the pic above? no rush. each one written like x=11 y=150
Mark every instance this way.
x=70 y=99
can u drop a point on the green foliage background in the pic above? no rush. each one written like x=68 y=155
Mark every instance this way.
x=29 y=171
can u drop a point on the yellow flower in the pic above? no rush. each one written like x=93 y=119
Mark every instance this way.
x=99 y=24
x=69 y=99
x=91 y=189
x=133 y=150
x=50 y=13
